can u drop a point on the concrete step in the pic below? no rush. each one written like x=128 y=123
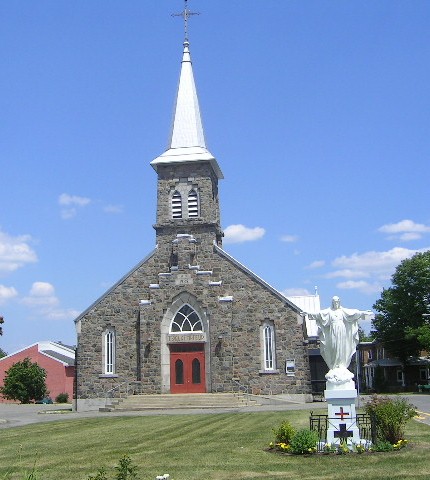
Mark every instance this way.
x=178 y=401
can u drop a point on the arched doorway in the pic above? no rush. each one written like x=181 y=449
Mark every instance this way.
x=187 y=352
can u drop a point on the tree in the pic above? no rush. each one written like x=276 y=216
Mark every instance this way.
x=2 y=353
x=401 y=321
x=24 y=381
x=1 y=328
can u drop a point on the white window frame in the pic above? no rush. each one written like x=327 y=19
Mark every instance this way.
x=109 y=352
x=185 y=320
x=269 y=360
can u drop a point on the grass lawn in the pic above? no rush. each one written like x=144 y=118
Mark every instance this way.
x=188 y=447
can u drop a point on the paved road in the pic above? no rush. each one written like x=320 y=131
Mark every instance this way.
x=17 y=415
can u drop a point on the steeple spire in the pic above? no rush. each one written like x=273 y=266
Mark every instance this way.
x=187 y=127
x=187 y=140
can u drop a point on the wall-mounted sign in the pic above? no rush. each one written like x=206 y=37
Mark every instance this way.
x=183 y=279
x=186 y=337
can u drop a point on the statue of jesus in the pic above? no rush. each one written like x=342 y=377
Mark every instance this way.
x=338 y=333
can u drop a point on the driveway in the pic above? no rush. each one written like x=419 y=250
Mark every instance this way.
x=17 y=415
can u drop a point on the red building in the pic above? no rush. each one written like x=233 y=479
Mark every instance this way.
x=57 y=359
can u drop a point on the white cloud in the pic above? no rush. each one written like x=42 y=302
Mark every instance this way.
x=70 y=204
x=42 y=294
x=361 y=285
x=289 y=238
x=405 y=230
x=44 y=302
x=348 y=273
x=113 y=209
x=15 y=252
x=378 y=264
x=316 y=264
x=240 y=234
x=67 y=200
x=375 y=267
x=6 y=293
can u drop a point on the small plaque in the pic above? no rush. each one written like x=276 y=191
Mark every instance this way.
x=183 y=279
x=198 y=337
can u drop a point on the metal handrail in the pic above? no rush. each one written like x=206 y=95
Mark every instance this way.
x=110 y=393
x=244 y=388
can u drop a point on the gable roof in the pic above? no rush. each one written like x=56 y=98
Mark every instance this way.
x=259 y=280
x=55 y=350
x=115 y=286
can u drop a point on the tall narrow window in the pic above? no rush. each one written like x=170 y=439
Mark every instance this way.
x=269 y=350
x=176 y=205
x=193 y=204
x=109 y=352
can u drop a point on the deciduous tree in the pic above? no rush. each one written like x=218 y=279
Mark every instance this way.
x=401 y=321
x=24 y=381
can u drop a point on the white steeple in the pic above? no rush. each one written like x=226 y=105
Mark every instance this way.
x=187 y=127
x=187 y=141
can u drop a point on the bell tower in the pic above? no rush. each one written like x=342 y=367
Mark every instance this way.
x=188 y=174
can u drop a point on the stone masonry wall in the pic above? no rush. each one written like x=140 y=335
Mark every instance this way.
x=234 y=341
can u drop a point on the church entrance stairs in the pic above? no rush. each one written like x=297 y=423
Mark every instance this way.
x=179 y=401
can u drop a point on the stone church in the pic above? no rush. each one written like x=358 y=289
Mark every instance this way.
x=189 y=318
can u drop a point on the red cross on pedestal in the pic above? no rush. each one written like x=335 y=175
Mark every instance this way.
x=342 y=414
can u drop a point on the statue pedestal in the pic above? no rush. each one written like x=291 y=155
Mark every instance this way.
x=342 y=422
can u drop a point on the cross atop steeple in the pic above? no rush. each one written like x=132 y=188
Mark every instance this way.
x=185 y=14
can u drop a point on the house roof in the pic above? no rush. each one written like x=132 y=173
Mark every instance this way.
x=69 y=361
x=394 y=362
x=55 y=350
x=310 y=304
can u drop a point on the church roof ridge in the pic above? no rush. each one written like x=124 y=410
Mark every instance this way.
x=111 y=289
x=277 y=293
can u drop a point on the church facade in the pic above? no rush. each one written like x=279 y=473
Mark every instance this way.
x=190 y=318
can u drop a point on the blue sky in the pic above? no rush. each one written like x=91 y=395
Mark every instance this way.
x=317 y=112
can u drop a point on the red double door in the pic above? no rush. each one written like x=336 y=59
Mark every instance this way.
x=187 y=368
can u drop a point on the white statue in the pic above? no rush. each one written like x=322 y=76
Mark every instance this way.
x=338 y=333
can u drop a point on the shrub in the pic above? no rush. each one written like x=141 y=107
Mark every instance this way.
x=125 y=470
x=390 y=416
x=304 y=441
x=284 y=433
x=62 y=398
x=24 y=381
x=382 y=446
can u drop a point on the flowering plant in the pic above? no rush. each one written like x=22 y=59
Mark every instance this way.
x=400 y=444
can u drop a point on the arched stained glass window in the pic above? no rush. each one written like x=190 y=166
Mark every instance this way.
x=186 y=320
x=176 y=205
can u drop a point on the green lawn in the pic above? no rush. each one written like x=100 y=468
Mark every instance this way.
x=221 y=447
